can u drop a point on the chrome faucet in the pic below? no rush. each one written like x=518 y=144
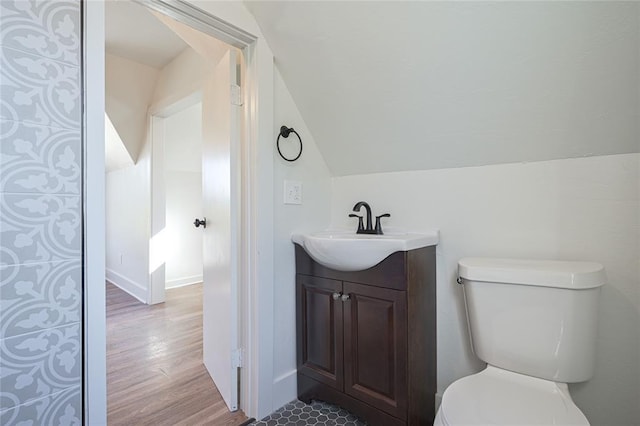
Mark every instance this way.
x=369 y=229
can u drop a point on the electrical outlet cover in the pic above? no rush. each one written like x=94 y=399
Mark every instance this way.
x=292 y=192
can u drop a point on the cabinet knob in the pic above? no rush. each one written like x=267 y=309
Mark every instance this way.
x=345 y=297
x=335 y=296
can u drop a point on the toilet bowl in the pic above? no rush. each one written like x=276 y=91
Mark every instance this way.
x=533 y=322
x=500 y=397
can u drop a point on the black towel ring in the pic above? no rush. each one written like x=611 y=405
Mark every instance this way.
x=284 y=132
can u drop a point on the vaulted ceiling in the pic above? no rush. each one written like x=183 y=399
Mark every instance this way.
x=391 y=86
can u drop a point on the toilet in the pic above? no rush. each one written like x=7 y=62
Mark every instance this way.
x=534 y=323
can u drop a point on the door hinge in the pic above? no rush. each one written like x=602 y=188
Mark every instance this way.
x=236 y=95
x=236 y=358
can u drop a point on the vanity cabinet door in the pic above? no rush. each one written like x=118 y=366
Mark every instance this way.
x=320 y=329
x=375 y=339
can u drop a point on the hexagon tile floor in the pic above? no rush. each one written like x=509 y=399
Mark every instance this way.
x=317 y=413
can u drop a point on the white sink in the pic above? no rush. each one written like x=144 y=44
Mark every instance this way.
x=348 y=251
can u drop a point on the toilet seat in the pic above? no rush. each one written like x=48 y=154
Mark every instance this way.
x=499 y=397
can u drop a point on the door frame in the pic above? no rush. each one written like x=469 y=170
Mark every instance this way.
x=93 y=188
x=237 y=28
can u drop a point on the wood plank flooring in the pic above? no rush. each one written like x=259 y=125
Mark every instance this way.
x=155 y=374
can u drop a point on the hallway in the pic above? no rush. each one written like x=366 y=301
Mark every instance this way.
x=155 y=374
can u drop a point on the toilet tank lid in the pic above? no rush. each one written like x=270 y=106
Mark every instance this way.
x=544 y=273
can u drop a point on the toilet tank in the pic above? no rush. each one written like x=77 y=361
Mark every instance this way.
x=533 y=317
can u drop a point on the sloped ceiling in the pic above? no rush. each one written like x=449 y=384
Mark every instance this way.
x=392 y=86
x=131 y=32
x=129 y=88
x=116 y=154
x=209 y=48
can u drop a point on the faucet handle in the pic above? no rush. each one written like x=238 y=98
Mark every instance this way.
x=378 y=226
x=360 y=224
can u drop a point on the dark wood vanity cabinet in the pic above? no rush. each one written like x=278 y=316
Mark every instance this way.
x=366 y=340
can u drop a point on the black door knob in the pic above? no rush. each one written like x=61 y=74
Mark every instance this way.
x=199 y=222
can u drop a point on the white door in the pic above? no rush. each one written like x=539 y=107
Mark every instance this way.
x=221 y=198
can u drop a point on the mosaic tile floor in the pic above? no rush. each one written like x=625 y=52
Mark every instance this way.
x=318 y=413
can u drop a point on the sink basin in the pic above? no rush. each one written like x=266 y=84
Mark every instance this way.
x=348 y=251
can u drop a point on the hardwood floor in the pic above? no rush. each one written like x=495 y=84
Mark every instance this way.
x=155 y=374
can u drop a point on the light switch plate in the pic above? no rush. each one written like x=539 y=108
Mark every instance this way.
x=292 y=192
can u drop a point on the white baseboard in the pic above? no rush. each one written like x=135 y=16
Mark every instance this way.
x=181 y=282
x=285 y=389
x=133 y=288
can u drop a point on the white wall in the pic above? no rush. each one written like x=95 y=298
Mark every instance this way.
x=313 y=214
x=181 y=77
x=577 y=209
x=128 y=201
x=183 y=140
x=183 y=180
